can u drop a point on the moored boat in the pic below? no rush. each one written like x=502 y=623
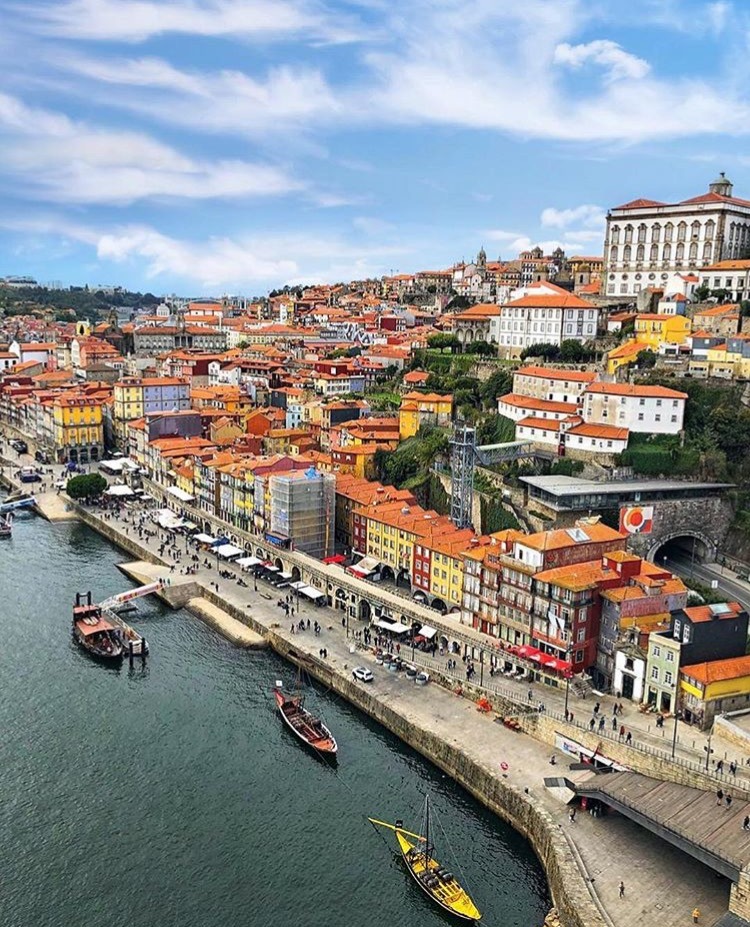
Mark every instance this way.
x=435 y=880
x=303 y=723
x=94 y=632
x=6 y=526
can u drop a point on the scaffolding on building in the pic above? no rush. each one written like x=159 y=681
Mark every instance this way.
x=303 y=510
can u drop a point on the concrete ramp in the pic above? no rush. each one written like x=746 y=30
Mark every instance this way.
x=688 y=818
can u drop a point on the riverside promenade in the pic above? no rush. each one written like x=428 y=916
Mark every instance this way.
x=585 y=861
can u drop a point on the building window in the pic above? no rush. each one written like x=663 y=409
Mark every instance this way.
x=668 y=678
x=655 y=673
x=657 y=651
x=670 y=656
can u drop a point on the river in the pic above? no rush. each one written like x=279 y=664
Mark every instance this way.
x=171 y=796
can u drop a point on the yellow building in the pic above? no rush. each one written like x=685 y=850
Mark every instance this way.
x=78 y=427
x=625 y=354
x=656 y=329
x=710 y=689
x=419 y=409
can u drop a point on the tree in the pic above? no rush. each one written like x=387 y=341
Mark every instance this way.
x=701 y=293
x=497 y=384
x=745 y=308
x=443 y=340
x=543 y=349
x=86 y=486
x=481 y=347
x=721 y=294
x=646 y=359
x=573 y=352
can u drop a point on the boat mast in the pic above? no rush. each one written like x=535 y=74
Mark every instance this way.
x=427 y=832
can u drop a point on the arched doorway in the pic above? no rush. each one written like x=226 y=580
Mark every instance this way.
x=278 y=564
x=387 y=574
x=455 y=610
x=295 y=575
x=260 y=553
x=339 y=600
x=364 y=610
x=439 y=605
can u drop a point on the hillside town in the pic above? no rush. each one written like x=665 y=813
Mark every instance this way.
x=279 y=418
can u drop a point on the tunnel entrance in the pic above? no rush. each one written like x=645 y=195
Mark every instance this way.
x=682 y=551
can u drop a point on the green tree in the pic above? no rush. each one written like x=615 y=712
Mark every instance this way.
x=542 y=349
x=646 y=359
x=442 y=341
x=481 y=347
x=701 y=293
x=86 y=486
x=497 y=384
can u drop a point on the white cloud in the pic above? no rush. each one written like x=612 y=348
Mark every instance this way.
x=223 y=101
x=60 y=160
x=220 y=261
x=138 y=20
x=587 y=214
x=618 y=63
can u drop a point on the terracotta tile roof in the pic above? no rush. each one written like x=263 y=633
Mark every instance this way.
x=700 y=613
x=563 y=300
x=718 y=670
x=557 y=373
x=634 y=389
x=545 y=424
x=608 y=432
x=640 y=203
x=538 y=405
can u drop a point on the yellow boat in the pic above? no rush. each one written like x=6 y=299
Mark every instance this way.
x=434 y=880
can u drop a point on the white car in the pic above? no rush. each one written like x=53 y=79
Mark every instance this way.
x=362 y=673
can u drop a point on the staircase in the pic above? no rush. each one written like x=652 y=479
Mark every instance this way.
x=581 y=685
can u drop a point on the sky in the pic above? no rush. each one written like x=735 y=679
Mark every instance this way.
x=204 y=147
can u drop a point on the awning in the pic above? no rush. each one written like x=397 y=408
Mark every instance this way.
x=180 y=494
x=365 y=566
x=336 y=558
x=119 y=490
x=273 y=569
x=219 y=542
x=394 y=627
x=427 y=631
x=298 y=586
x=311 y=592
x=204 y=539
x=88 y=629
x=228 y=550
x=169 y=520
x=245 y=562
x=285 y=575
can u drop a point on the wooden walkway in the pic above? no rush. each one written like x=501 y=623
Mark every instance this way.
x=688 y=818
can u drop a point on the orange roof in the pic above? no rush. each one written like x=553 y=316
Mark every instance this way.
x=634 y=389
x=600 y=431
x=559 y=537
x=545 y=424
x=554 y=300
x=700 y=613
x=628 y=349
x=718 y=670
x=640 y=203
x=728 y=309
x=538 y=405
x=556 y=373
x=480 y=311
x=728 y=265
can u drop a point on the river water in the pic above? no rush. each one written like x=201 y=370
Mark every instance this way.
x=171 y=796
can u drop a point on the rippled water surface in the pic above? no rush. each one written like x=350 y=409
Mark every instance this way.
x=171 y=795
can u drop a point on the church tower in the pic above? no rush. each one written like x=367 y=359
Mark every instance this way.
x=482 y=259
x=722 y=185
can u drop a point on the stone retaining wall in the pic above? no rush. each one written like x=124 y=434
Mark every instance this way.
x=569 y=890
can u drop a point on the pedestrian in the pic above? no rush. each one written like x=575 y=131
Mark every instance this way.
x=531 y=695
x=622 y=889
x=614 y=724
x=572 y=815
x=719 y=796
x=591 y=724
x=746 y=822
x=733 y=768
x=622 y=731
x=601 y=723
x=728 y=800
x=629 y=738
x=720 y=766
x=696 y=914
x=596 y=708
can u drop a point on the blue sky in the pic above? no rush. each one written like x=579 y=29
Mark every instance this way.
x=211 y=146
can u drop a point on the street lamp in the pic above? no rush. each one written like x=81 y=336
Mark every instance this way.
x=677 y=716
x=707 y=748
x=567 y=682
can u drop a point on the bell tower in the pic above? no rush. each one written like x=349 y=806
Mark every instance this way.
x=722 y=185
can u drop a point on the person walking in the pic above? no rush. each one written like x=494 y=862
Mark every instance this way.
x=719 y=796
x=572 y=815
x=601 y=723
x=728 y=800
x=622 y=889
x=696 y=914
x=746 y=822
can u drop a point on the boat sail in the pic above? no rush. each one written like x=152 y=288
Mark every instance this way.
x=434 y=879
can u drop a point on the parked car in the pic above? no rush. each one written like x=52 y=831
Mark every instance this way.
x=362 y=674
x=21 y=446
x=42 y=457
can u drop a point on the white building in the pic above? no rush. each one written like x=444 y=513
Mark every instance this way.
x=649 y=243
x=546 y=314
x=515 y=407
x=728 y=275
x=649 y=409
